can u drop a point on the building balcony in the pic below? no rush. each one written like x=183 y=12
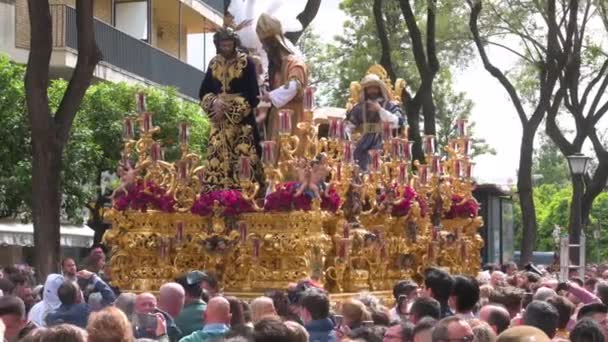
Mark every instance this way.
x=142 y=41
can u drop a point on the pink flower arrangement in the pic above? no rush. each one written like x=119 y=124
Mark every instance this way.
x=405 y=201
x=284 y=199
x=461 y=208
x=231 y=200
x=145 y=195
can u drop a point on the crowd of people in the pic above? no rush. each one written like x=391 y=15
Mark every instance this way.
x=504 y=304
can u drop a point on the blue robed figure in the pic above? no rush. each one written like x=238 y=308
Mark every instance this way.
x=375 y=106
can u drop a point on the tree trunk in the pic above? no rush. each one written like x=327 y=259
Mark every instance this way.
x=526 y=199
x=46 y=203
x=50 y=133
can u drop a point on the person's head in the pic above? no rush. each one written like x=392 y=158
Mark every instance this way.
x=380 y=315
x=496 y=316
x=68 y=267
x=262 y=307
x=109 y=325
x=272 y=330
x=498 y=279
x=565 y=309
x=590 y=284
x=145 y=303
x=368 y=333
x=523 y=333
x=510 y=297
x=373 y=92
x=236 y=311
x=126 y=303
x=597 y=312
x=542 y=315
x=510 y=268
x=314 y=305
x=218 y=311
x=210 y=285
x=270 y=33
x=406 y=288
x=543 y=293
x=452 y=329
x=298 y=331
x=355 y=313
x=483 y=332
x=465 y=294
x=12 y=314
x=281 y=304
x=601 y=290
x=424 y=307
x=437 y=284
x=192 y=286
x=68 y=293
x=423 y=330
x=226 y=42
x=404 y=331
x=587 y=330
x=65 y=333
x=6 y=286
x=96 y=261
x=171 y=298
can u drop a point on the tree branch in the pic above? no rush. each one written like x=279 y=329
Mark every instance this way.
x=431 y=48
x=305 y=17
x=415 y=37
x=494 y=71
x=88 y=57
x=385 y=56
x=37 y=72
x=592 y=83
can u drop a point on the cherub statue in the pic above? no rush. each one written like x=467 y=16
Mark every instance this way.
x=307 y=181
x=128 y=176
x=353 y=205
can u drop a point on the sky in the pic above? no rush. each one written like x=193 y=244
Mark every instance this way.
x=495 y=118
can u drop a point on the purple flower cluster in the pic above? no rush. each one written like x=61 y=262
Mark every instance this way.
x=143 y=196
x=231 y=200
x=461 y=208
x=284 y=199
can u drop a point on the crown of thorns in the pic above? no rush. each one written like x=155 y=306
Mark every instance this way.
x=225 y=33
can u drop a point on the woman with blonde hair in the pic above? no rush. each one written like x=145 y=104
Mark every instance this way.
x=354 y=315
x=109 y=325
x=299 y=332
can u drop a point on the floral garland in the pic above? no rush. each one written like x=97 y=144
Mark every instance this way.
x=284 y=199
x=144 y=195
x=405 y=201
x=462 y=208
x=231 y=201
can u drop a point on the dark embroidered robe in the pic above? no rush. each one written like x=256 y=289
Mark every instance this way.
x=234 y=82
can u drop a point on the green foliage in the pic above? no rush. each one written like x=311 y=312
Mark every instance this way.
x=95 y=141
x=359 y=47
x=550 y=166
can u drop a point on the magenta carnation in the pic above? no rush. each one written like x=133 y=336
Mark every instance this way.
x=232 y=202
x=142 y=196
x=461 y=208
x=284 y=199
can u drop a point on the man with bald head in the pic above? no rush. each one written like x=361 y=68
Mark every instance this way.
x=262 y=307
x=171 y=298
x=145 y=305
x=496 y=316
x=217 y=321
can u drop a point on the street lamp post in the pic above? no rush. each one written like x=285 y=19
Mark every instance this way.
x=578 y=165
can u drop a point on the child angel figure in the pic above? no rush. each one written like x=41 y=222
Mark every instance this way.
x=128 y=176
x=312 y=177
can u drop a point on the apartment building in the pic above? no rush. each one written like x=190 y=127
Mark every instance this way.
x=142 y=41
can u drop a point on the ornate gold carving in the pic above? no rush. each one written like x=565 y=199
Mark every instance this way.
x=227 y=70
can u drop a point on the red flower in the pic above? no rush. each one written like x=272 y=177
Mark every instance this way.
x=284 y=199
x=143 y=196
x=232 y=202
x=462 y=208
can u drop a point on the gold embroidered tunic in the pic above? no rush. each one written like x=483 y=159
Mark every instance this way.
x=234 y=82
